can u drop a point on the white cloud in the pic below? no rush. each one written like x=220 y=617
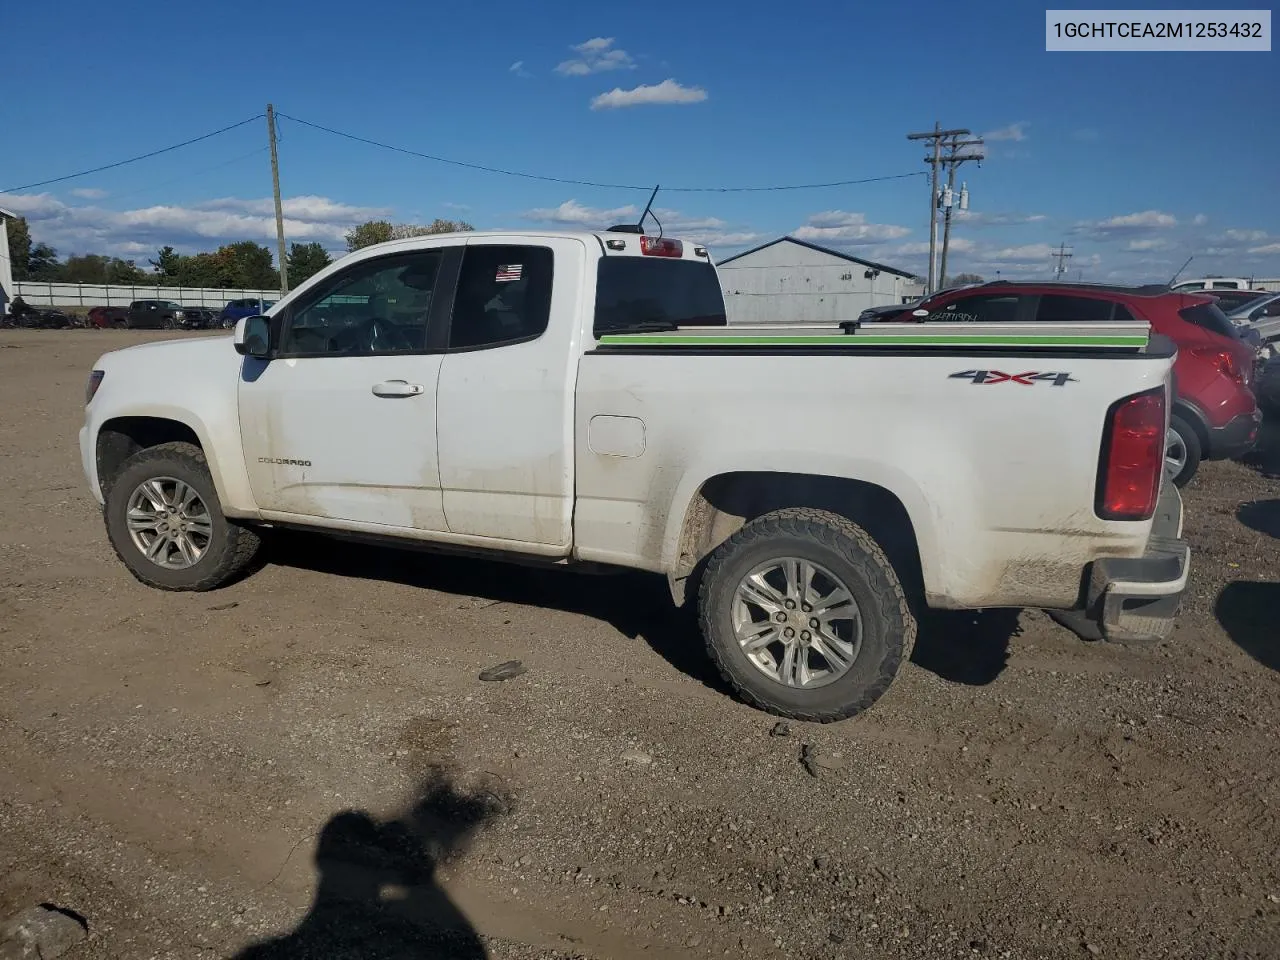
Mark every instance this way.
x=1025 y=252
x=573 y=213
x=94 y=229
x=668 y=91
x=1199 y=220
x=1128 y=224
x=596 y=55
x=1268 y=248
x=89 y=193
x=843 y=228
x=1137 y=246
x=1016 y=132
x=707 y=231
x=518 y=69
x=921 y=247
x=1242 y=236
x=311 y=208
x=978 y=218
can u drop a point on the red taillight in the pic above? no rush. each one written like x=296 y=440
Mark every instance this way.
x=1224 y=360
x=661 y=247
x=1132 y=457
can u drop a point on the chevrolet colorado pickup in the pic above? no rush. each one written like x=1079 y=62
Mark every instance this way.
x=576 y=398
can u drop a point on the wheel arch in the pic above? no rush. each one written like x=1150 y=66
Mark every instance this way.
x=717 y=506
x=126 y=433
x=1193 y=415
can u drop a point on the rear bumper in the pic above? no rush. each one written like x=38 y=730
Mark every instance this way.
x=1136 y=599
x=1236 y=438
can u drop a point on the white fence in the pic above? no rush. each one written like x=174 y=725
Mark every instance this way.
x=40 y=294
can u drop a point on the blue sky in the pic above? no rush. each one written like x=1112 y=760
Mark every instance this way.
x=1134 y=160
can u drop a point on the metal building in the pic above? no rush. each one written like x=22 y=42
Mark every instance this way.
x=6 y=268
x=794 y=281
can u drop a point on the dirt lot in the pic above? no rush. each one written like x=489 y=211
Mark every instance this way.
x=176 y=767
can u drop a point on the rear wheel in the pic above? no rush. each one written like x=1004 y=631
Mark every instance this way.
x=1182 y=452
x=166 y=525
x=804 y=615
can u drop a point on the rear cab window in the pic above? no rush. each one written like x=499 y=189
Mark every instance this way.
x=656 y=293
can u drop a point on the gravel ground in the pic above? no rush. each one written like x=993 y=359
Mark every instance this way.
x=306 y=764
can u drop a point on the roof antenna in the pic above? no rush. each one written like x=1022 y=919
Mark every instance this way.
x=1180 y=269
x=648 y=212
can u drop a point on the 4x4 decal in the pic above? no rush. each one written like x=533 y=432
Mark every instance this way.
x=1028 y=379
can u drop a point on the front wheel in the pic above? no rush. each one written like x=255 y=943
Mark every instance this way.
x=166 y=525
x=804 y=615
x=1182 y=453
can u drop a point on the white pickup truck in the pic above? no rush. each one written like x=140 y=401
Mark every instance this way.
x=576 y=398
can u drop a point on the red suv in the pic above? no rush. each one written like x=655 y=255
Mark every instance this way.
x=1215 y=415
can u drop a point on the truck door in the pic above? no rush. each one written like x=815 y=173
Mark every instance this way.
x=505 y=401
x=341 y=423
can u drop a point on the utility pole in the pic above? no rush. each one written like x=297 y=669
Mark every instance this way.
x=1063 y=255
x=935 y=136
x=275 y=188
x=953 y=159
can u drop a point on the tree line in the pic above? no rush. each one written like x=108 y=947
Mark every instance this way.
x=245 y=265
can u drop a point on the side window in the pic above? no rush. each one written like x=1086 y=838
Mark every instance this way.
x=1075 y=309
x=1225 y=285
x=1272 y=309
x=377 y=306
x=989 y=308
x=503 y=296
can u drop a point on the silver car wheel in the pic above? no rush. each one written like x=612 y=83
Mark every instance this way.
x=169 y=523
x=1175 y=453
x=797 y=622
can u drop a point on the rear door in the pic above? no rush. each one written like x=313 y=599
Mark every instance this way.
x=505 y=401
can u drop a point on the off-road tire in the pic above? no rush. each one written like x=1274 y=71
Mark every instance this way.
x=1191 y=443
x=232 y=547
x=844 y=548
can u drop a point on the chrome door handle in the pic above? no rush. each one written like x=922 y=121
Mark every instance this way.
x=397 y=388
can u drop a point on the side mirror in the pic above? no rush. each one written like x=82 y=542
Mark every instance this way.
x=253 y=337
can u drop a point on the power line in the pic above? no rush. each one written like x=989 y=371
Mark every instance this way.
x=587 y=183
x=121 y=163
x=188 y=175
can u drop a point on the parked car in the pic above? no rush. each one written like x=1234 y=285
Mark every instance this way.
x=251 y=307
x=1230 y=300
x=1261 y=316
x=104 y=317
x=1215 y=415
x=576 y=398
x=198 y=318
x=1211 y=284
x=154 y=315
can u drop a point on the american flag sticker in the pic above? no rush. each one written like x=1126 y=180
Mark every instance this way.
x=508 y=273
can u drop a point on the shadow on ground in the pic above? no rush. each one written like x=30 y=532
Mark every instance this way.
x=377 y=897
x=1262 y=516
x=1265 y=456
x=1247 y=610
x=637 y=605
x=969 y=647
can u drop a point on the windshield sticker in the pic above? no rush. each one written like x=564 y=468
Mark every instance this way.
x=508 y=273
